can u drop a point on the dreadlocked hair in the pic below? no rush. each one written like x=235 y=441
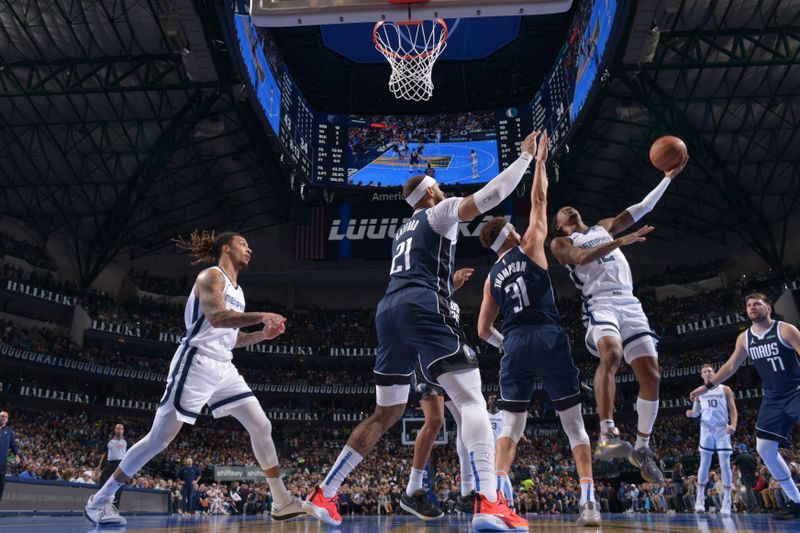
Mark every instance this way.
x=205 y=246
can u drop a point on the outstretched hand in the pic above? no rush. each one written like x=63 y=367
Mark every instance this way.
x=636 y=236
x=529 y=143
x=542 y=148
x=672 y=174
x=274 y=325
x=461 y=277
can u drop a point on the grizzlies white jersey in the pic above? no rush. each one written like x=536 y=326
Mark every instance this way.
x=713 y=408
x=496 y=420
x=215 y=343
x=609 y=275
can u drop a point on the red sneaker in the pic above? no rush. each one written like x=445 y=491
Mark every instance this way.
x=496 y=516
x=322 y=508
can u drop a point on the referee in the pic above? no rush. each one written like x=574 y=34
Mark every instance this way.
x=117 y=447
x=7 y=442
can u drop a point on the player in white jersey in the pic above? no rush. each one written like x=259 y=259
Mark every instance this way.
x=616 y=325
x=202 y=372
x=473 y=158
x=718 y=418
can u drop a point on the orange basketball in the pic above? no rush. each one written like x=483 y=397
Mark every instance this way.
x=667 y=153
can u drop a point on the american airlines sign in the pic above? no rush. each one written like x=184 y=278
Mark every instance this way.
x=361 y=229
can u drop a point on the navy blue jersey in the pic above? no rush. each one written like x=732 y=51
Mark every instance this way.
x=421 y=257
x=523 y=291
x=776 y=362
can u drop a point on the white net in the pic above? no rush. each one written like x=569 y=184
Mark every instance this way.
x=411 y=49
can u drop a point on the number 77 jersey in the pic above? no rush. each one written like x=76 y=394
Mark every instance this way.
x=523 y=291
x=775 y=360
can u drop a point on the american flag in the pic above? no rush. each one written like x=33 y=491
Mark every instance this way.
x=309 y=233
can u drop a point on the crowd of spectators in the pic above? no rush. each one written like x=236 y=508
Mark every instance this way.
x=34 y=255
x=160 y=284
x=68 y=446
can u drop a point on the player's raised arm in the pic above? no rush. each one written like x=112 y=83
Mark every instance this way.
x=634 y=213
x=569 y=254
x=726 y=370
x=533 y=240
x=498 y=189
x=486 y=318
x=210 y=291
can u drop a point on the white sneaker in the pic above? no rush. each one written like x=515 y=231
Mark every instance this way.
x=102 y=512
x=287 y=510
x=699 y=507
x=590 y=516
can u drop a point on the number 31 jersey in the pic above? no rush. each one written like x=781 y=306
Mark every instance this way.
x=609 y=275
x=523 y=291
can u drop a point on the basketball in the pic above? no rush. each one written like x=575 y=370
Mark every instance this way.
x=667 y=152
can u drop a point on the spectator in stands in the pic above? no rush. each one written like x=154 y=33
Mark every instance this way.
x=7 y=443
x=747 y=465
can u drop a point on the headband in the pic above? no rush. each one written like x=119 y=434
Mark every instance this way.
x=420 y=190
x=501 y=238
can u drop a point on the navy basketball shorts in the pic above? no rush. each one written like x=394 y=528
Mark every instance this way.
x=415 y=326
x=777 y=415
x=533 y=352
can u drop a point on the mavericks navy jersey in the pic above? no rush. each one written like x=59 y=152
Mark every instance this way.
x=421 y=257
x=523 y=291
x=776 y=362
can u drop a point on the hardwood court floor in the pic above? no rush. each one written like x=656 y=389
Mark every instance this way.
x=684 y=523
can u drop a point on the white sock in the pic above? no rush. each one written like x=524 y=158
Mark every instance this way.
x=587 y=490
x=346 y=462
x=504 y=486
x=414 y=481
x=110 y=488
x=701 y=495
x=647 y=411
x=482 y=460
x=280 y=494
x=606 y=423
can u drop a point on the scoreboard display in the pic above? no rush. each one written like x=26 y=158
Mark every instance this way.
x=338 y=150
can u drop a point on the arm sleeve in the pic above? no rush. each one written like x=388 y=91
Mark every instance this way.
x=639 y=210
x=697 y=407
x=502 y=185
x=444 y=215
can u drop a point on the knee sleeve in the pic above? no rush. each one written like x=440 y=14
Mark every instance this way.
x=390 y=395
x=725 y=468
x=768 y=450
x=705 y=464
x=513 y=425
x=164 y=430
x=572 y=422
x=259 y=427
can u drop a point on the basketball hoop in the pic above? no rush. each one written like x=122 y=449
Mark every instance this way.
x=411 y=47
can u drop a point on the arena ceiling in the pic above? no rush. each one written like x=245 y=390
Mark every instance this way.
x=722 y=75
x=122 y=122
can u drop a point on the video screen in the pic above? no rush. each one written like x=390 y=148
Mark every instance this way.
x=453 y=148
x=259 y=69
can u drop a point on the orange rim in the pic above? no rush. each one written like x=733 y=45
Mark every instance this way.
x=408 y=57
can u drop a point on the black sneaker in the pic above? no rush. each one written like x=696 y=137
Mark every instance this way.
x=466 y=504
x=790 y=512
x=420 y=506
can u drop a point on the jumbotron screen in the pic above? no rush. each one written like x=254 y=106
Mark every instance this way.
x=332 y=149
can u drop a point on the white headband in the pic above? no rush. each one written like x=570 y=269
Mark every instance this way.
x=504 y=233
x=420 y=190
